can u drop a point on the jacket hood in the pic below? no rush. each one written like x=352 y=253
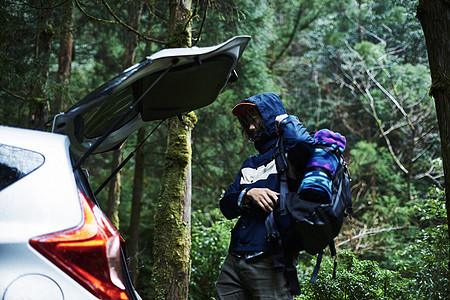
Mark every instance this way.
x=270 y=106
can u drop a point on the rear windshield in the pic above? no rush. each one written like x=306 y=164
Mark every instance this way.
x=16 y=163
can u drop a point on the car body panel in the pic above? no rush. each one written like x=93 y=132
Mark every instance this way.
x=25 y=261
x=44 y=201
x=21 y=203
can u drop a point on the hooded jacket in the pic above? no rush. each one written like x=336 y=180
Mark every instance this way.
x=259 y=171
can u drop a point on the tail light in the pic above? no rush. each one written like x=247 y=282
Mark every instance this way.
x=89 y=253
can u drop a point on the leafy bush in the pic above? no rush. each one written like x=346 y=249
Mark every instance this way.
x=210 y=240
x=355 y=279
x=427 y=259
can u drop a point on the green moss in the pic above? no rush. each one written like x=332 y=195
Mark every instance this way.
x=48 y=30
x=172 y=236
x=181 y=36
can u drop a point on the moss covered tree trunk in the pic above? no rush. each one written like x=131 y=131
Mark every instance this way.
x=172 y=243
x=434 y=16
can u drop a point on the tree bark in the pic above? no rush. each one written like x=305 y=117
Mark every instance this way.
x=172 y=243
x=115 y=185
x=132 y=38
x=138 y=181
x=136 y=205
x=112 y=209
x=39 y=107
x=64 y=58
x=434 y=16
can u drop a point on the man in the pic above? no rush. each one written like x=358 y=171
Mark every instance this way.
x=248 y=272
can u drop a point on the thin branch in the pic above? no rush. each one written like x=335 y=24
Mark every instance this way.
x=201 y=25
x=371 y=231
x=43 y=7
x=92 y=17
x=428 y=174
x=18 y=97
x=292 y=35
x=395 y=127
x=120 y=22
x=192 y=16
x=117 y=21
x=388 y=142
x=390 y=97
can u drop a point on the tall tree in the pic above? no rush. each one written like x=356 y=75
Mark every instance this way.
x=172 y=241
x=138 y=182
x=434 y=16
x=114 y=188
x=115 y=185
x=45 y=33
x=64 y=58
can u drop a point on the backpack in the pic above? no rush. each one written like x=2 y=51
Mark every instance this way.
x=310 y=218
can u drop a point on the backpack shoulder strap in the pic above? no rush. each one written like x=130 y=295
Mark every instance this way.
x=282 y=259
x=280 y=161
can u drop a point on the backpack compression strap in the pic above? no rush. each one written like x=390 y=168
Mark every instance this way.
x=319 y=261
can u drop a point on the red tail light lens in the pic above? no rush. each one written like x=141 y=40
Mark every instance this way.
x=89 y=253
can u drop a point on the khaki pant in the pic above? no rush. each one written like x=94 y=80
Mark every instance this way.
x=253 y=278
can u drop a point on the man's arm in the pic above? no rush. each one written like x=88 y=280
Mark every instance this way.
x=297 y=140
x=229 y=202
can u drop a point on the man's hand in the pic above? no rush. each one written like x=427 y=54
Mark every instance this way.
x=278 y=119
x=264 y=197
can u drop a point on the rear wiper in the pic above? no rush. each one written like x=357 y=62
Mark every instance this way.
x=121 y=117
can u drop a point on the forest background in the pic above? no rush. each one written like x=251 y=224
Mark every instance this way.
x=358 y=67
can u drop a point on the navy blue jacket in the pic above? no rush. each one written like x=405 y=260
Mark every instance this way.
x=259 y=171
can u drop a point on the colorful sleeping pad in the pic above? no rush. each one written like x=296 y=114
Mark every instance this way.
x=317 y=183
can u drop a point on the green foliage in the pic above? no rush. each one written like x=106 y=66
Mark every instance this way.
x=426 y=259
x=355 y=279
x=372 y=165
x=210 y=239
x=383 y=213
x=371 y=53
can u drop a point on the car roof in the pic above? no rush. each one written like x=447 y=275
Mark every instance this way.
x=33 y=140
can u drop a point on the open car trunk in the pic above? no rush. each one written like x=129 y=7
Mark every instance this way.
x=166 y=84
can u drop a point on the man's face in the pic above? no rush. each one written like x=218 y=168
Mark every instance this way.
x=253 y=123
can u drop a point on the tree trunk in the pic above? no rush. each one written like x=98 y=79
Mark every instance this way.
x=132 y=38
x=39 y=107
x=64 y=58
x=360 y=26
x=112 y=209
x=115 y=185
x=172 y=242
x=434 y=16
x=136 y=204
x=138 y=181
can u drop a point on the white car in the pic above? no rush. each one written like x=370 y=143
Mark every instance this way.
x=55 y=242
